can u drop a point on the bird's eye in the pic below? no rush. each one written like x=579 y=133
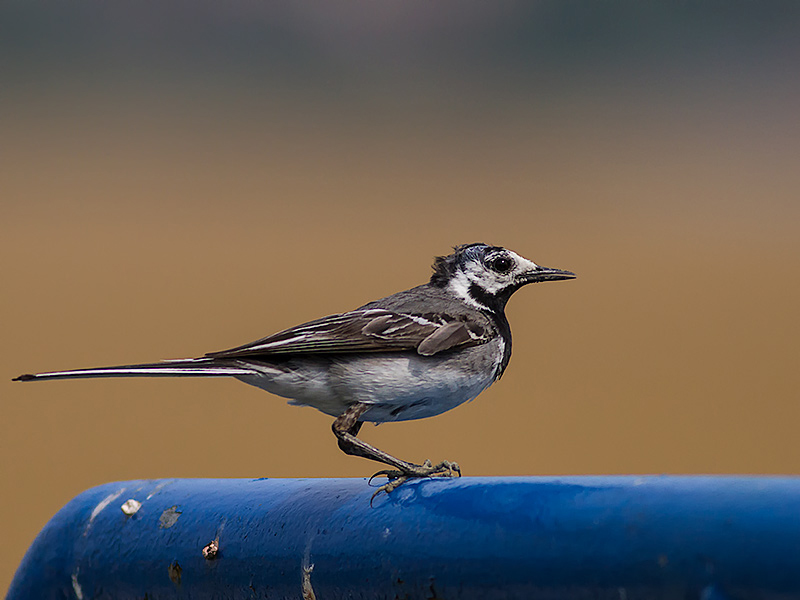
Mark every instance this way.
x=501 y=264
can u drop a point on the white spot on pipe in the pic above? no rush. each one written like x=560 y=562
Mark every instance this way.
x=76 y=587
x=211 y=549
x=306 y=567
x=308 y=591
x=131 y=507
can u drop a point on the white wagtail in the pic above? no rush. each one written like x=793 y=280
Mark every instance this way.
x=411 y=355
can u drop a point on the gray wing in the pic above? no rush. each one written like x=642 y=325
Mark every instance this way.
x=373 y=330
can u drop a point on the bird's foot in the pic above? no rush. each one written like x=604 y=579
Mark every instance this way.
x=397 y=477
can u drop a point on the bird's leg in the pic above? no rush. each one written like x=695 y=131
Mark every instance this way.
x=347 y=426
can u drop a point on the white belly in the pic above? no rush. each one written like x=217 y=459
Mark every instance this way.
x=398 y=386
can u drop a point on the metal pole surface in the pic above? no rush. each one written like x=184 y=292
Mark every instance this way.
x=490 y=537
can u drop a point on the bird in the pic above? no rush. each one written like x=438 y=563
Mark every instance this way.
x=411 y=355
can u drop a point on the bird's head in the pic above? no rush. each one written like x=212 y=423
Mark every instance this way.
x=485 y=276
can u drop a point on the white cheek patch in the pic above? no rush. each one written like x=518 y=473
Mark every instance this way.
x=459 y=285
x=487 y=280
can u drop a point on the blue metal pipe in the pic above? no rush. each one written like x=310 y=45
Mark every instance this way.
x=498 y=537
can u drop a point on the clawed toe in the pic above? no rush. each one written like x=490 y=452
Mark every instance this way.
x=447 y=469
x=443 y=469
x=390 y=474
x=389 y=487
x=397 y=477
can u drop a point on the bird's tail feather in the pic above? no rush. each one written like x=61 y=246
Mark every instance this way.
x=188 y=367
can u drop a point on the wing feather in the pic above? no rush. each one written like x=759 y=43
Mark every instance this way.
x=373 y=330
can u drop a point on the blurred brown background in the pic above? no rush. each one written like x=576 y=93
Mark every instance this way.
x=179 y=178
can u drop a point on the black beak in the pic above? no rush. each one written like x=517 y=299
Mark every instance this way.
x=547 y=274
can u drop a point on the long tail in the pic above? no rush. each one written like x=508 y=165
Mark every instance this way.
x=188 y=367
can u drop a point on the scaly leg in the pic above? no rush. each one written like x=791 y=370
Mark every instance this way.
x=346 y=428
